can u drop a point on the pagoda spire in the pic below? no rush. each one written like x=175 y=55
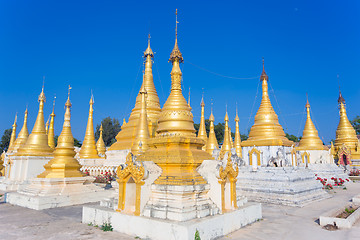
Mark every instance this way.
x=88 y=148
x=310 y=139
x=47 y=126
x=212 y=142
x=23 y=134
x=266 y=130
x=13 y=135
x=126 y=137
x=64 y=164
x=226 y=143
x=237 y=142
x=142 y=131
x=51 y=131
x=202 y=130
x=37 y=142
x=100 y=145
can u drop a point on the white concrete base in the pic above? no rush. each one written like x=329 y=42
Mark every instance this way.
x=43 y=193
x=287 y=186
x=328 y=171
x=117 y=156
x=317 y=156
x=330 y=218
x=156 y=229
x=269 y=154
x=23 y=168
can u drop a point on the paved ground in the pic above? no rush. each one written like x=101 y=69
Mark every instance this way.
x=280 y=222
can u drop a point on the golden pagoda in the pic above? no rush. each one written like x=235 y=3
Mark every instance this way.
x=37 y=142
x=13 y=135
x=310 y=139
x=23 y=134
x=212 y=142
x=175 y=148
x=100 y=145
x=63 y=165
x=126 y=137
x=142 y=129
x=230 y=138
x=51 y=131
x=237 y=142
x=266 y=130
x=88 y=148
x=226 y=146
x=202 y=130
x=345 y=132
x=47 y=126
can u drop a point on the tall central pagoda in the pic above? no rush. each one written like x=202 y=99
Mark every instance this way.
x=266 y=130
x=126 y=137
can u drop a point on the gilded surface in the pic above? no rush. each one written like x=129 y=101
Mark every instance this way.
x=13 y=136
x=212 y=141
x=310 y=139
x=51 y=131
x=37 y=142
x=266 y=130
x=64 y=164
x=202 y=130
x=126 y=137
x=100 y=145
x=23 y=134
x=237 y=142
x=226 y=146
x=88 y=148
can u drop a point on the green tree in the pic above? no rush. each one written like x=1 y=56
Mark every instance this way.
x=5 y=140
x=111 y=127
x=77 y=143
x=356 y=124
x=292 y=137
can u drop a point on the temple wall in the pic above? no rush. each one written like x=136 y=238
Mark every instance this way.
x=280 y=154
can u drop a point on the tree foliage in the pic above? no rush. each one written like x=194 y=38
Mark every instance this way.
x=5 y=140
x=77 y=143
x=356 y=124
x=292 y=137
x=111 y=127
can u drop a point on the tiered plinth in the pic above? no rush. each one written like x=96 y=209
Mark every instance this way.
x=280 y=185
x=43 y=193
x=328 y=171
x=157 y=229
x=22 y=169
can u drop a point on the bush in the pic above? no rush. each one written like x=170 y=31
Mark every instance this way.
x=197 y=235
x=106 y=227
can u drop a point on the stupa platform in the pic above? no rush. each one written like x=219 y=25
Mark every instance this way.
x=145 y=227
x=44 y=193
x=328 y=171
x=280 y=185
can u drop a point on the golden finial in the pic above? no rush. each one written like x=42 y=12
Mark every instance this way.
x=13 y=135
x=51 y=131
x=63 y=165
x=88 y=148
x=100 y=145
x=212 y=142
x=237 y=142
x=266 y=130
x=37 y=142
x=142 y=131
x=189 y=98
x=176 y=54
x=310 y=139
x=124 y=122
x=148 y=51
x=23 y=134
x=202 y=129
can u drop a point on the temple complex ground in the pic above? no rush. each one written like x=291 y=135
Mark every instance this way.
x=279 y=222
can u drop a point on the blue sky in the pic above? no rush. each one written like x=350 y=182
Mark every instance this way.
x=98 y=46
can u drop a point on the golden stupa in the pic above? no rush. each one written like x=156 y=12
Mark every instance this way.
x=51 y=130
x=310 y=139
x=237 y=142
x=175 y=148
x=63 y=165
x=13 y=136
x=126 y=137
x=202 y=129
x=88 y=148
x=212 y=142
x=23 y=134
x=142 y=129
x=226 y=146
x=37 y=142
x=266 y=130
x=100 y=145
x=345 y=132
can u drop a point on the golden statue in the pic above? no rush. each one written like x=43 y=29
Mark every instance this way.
x=63 y=165
x=266 y=130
